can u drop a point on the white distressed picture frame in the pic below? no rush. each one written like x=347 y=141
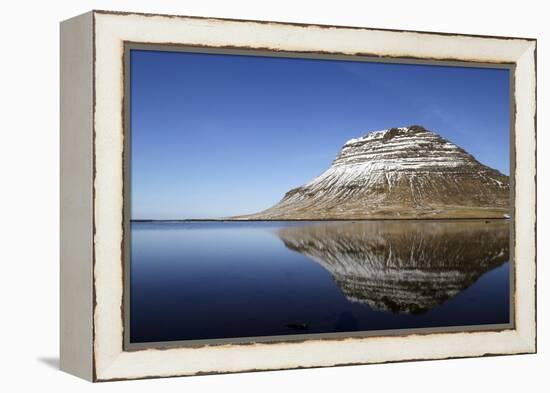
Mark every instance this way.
x=92 y=195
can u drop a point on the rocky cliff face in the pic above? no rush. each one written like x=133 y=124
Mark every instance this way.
x=406 y=172
x=403 y=267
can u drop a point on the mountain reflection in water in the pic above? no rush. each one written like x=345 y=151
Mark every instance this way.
x=405 y=267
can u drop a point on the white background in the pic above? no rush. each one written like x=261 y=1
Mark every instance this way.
x=29 y=205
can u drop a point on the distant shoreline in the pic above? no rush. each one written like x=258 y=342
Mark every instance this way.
x=323 y=219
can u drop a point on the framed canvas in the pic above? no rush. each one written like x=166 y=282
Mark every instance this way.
x=245 y=195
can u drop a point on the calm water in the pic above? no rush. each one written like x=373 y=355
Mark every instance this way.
x=204 y=280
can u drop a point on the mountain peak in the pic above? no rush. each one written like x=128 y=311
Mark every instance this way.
x=412 y=148
x=387 y=134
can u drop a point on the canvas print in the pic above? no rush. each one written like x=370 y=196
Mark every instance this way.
x=283 y=197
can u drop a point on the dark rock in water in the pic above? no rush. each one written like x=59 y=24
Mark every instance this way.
x=298 y=326
x=406 y=172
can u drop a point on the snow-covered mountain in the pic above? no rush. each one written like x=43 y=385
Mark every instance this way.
x=403 y=267
x=406 y=172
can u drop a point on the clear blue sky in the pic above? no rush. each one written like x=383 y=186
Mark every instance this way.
x=220 y=135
